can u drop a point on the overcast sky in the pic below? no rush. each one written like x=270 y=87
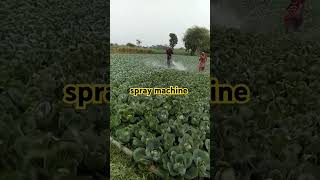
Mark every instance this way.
x=151 y=21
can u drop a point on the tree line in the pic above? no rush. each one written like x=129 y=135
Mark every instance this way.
x=195 y=39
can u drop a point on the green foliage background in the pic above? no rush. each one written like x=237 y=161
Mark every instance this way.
x=275 y=135
x=196 y=39
x=45 y=45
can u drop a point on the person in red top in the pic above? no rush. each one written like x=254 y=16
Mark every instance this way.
x=202 y=61
x=294 y=18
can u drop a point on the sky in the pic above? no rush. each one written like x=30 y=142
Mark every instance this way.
x=151 y=21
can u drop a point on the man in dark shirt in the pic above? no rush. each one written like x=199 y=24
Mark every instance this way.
x=169 y=55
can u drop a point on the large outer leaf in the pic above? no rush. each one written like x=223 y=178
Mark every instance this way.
x=139 y=155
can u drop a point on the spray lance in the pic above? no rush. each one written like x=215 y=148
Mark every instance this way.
x=173 y=62
x=178 y=65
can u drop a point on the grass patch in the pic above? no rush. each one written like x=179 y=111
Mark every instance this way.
x=122 y=167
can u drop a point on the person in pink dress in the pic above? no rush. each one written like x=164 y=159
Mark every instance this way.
x=294 y=17
x=202 y=61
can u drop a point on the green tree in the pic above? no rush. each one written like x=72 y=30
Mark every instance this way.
x=138 y=42
x=197 y=39
x=173 y=40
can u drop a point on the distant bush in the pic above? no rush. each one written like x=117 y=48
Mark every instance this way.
x=131 y=45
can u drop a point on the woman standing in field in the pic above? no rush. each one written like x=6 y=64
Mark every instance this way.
x=294 y=17
x=202 y=61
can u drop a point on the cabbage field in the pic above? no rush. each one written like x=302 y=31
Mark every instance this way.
x=170 y=133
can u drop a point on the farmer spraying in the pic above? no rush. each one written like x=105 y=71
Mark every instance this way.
x=169 y=55
x=294 y=17
x=202 y=61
